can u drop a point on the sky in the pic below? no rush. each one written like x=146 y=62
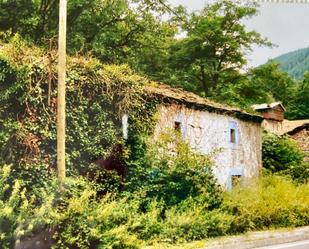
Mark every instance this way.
x=284 y=24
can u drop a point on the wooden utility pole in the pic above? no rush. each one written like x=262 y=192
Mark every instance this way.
x=61 y=92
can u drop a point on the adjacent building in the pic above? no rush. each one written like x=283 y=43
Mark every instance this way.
x=299 y=131
x=273 y=115
x=274 y=122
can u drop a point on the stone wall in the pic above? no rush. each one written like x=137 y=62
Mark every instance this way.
x=302 y=139
x=208 y=132
x=273 y=126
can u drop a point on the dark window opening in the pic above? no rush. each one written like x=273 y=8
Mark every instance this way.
x=232 y=135
x=177 y=126
x=236 y=181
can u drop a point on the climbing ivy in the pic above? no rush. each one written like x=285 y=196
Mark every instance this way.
x=97 y=96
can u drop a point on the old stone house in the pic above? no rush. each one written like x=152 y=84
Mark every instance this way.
x=274 y=122
x=209 y=126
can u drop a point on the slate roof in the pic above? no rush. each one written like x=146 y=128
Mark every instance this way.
x=292 y=126
x=169 y=94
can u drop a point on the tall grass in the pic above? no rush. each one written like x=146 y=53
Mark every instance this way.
x=271 y=202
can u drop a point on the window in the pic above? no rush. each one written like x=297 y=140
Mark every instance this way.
x=177 y=126
x=236 y=181
x=235 y=178
x=232 y=135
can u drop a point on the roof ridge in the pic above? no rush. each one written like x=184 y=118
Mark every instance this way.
x=192 y=99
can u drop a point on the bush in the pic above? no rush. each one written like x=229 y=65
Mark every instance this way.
x=272 y=202
x=300 y=172
x=281 y=155
x=77 y=218
x=172 y=204
x=194 y=223
x=176 y=173
x=14 y=205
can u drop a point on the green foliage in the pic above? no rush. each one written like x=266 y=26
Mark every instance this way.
x=270 y=84
x=176 y=173
x=264 y=84
x=300 y=172
x=299 y=107
x=212 y=53
x=295 y=63
x=87 y=223
x=272 y=202
x=119 y=31
x=280 y=153
x=97 y=96
x=134 y=32
x=267 y=84
x=14 y=206
x=171 y=194
x=80 y=219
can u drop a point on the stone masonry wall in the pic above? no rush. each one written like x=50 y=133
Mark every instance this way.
x=302 y=139
x=208 y=132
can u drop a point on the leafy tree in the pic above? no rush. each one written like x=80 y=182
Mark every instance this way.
x=32 y=19
x=271 y=84
x=117 y=31
x=213 y=52
x=264 y=84
x=268 y=83
x=300 y=106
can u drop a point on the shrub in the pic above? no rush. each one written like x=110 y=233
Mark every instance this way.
x=79 y=219
x=176 y=173
x=271 y=202
x=14 y=205
x=280 y=153
x=194 y=223
x=300 y=172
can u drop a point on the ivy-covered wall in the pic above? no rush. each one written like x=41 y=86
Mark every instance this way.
x=97 y=96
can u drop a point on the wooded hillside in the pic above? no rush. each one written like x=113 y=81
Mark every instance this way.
x=295 y=63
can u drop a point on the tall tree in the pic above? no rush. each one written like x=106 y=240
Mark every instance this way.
x=115 y=31
x=264 y=84
x=213 y=52
x=299 y=108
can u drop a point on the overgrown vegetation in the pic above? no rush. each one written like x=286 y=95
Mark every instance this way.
x=79 y=219
x=272 y=202
x=203 y=52
x=131 y=219
x=97 y=96
x=281 y=155
x=169 y=194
